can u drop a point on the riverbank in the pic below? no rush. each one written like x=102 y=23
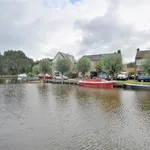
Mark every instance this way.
x=118 y=84
x=132 y=82
x=75 y=81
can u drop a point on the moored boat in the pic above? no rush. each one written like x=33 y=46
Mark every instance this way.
x=136 y=86
x=96 y=83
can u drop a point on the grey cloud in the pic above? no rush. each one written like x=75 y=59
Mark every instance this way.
x=51 y=52
x=24 y=26
x=107 y=33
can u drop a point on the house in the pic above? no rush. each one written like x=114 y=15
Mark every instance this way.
x=61 y=55
x=95 y=58
x=128 y=69
x=140 y=55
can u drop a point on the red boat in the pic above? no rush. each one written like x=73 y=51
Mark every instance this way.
x=97 y=82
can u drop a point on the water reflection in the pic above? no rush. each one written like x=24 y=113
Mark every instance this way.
x=13 y=98
x=43 y=91
x=143 y=99
x=62 y=117
x=61 y=90
x=108 y=99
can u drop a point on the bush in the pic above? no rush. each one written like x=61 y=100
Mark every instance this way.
x=93 y=74
x=73 y=75
x=30 y=74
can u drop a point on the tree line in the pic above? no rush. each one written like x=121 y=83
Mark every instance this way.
x=14 y=62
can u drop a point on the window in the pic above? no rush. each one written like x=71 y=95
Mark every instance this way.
x=139 y=61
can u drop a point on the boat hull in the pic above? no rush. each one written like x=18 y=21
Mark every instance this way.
x=97 y=84
x=136 y=86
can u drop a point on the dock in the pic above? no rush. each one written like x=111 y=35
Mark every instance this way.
x=70 y=81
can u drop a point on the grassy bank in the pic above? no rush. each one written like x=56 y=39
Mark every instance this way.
x=133 y=82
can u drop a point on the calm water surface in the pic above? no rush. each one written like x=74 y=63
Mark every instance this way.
x=67 y=117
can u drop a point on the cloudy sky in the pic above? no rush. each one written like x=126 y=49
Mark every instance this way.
x=41 y=28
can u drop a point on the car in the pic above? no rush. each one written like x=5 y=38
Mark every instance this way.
x=123 y=76
x=47 y=76
x=104 y=76
x=60 y=77
x=144 y=78
x=23 y=75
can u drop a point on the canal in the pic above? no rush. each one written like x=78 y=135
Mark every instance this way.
x=69 y=117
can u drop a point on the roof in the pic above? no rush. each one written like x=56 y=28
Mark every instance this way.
x=142 y=54
x=68 y=56
x=129 y=69
x=96 y=57
x=93 y=57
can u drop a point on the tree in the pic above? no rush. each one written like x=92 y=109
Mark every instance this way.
x=16 y=62
x=112 y=64
x=45 y=65
x=63 y=65
x=83 y=65
x=146 y=65
x=131 y=65
x=99 y=66
x=36 y=69
x=1 y=64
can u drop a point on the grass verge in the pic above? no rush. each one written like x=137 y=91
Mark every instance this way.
x=133 y=82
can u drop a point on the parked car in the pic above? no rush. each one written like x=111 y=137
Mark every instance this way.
x=144 y=78
x=60 y=77
x=22 y=76
x=47 y=76
x=123 y=76
x=104 y=76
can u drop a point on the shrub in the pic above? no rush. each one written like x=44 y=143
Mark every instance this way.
x=30 y=74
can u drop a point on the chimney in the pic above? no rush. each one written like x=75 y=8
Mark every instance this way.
x=119 y=51
x=138 y=50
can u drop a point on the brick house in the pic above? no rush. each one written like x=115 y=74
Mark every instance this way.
x=140 y=55
x=95 y=58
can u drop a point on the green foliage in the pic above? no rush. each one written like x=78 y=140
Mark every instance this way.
x=83 y=65
x=63 y=65
x=93 y=74
x=36 y=69
x=112 y=64
x=1 y=64
x=73 y=74
x=146 y=65
x=99 y=66
x=45 y=66
x=30 y=74
x=131 y=65
x=16 y=62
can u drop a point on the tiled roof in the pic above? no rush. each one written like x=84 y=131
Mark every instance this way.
x=129 y=69
x=141 y=54
x=96 y=57
x=67 y=56
x=93 y=57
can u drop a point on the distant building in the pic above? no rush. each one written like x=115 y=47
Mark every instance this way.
x=128 y=69
x=61 y=55
x=140 y=55
x=95 y=58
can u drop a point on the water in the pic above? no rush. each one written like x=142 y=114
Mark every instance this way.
x=67 y=117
